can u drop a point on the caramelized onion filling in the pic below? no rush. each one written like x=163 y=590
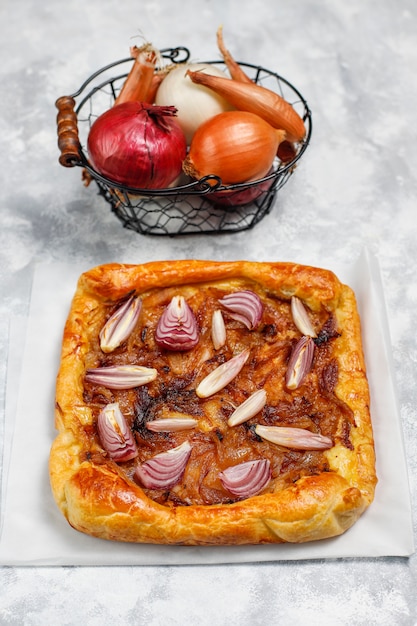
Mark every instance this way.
x=218 y=434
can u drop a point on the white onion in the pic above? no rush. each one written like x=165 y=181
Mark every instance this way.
x=194 y=103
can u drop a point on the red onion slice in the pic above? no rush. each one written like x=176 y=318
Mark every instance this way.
x=301 y=318
x=120 y=325
x=244 y=306
x=177 y=328
x=246 y=479
x=115 y=435
x=121 y=376
x=222 y=375
x=300 y=362
x=296 y=438
x=164 y=470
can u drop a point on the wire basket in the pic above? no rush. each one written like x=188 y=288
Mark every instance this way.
x=188 y=208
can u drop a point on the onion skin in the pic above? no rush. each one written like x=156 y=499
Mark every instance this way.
x=195 y=104
x=236 y=146
x=137 y=145
x=164 y=470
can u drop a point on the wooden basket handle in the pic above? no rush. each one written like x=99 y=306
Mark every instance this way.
x=68 y=140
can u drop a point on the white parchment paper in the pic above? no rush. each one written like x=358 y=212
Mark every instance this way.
x=33 y=531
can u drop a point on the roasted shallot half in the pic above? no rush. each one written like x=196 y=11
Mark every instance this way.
x=246 y=479
x=248 y=409
x=138 y=83
x=235 y=146
x=244 y=306
x=171 y=424
x=164 y=470
x=121 y=376
x=120 y=325
x=218 y=330
x=301 y=318
x=222 y=375
x=115 y=435
x=177 y=328
x=295 y=438
x=300 y=362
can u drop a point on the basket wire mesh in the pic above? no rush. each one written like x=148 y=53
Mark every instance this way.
x=186 y=208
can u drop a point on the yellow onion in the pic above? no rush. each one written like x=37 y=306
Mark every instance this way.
x=194 y=103
x=236 y=146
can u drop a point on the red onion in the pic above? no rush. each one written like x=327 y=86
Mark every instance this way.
x=177 y=328
x=138 y=145
x=119 y=326
x=300 y=362
x=164 y=470
x=244 y=306
x=246 y=479
x=115 y=434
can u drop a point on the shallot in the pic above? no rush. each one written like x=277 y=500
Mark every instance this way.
x=177 y=327
x=165 y=469
x=247 y=96
x=120 y=325
x=300 y=362
x=246 y=479
x=115 y=435
x=244 y=306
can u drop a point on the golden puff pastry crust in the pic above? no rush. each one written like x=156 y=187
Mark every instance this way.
x=311 y=495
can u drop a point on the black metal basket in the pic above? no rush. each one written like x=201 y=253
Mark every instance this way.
x=189 y=208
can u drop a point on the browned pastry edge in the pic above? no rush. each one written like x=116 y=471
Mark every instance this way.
x=99 y=500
